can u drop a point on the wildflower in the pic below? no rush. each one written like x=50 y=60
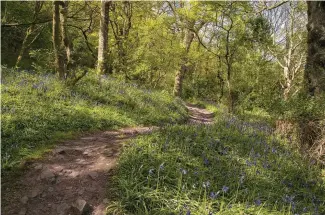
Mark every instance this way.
x=257 y=202
x=266 y=165
x=274 y=150
x=248 y=163
x=214 y=195
x=225 y=189
x=188 y=212
x=206 y=161
x=289 y=199
x=161 y=167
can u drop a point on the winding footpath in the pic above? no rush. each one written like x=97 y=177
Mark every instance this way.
x=72 y=179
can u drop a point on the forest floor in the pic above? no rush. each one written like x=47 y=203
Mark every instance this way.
x=73 y=178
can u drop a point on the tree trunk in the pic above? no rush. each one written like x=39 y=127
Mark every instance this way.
x=103 y=38
x=178 y=85
x=228 y=59
x=230 y=91
x=64 y=36
x=315 y=68
x=24 y=45
x=30 y=30
x=59 y=62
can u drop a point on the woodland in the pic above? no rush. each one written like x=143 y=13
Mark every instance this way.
x=163 y=107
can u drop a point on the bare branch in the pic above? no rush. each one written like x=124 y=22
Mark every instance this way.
x=24 y=24
x=272 y=7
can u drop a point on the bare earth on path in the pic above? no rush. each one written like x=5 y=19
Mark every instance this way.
x=73 y=178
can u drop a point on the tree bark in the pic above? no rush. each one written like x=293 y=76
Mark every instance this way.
x=179 y=77
x=64 y=36
x=228 y=58
x=315 y=68
x=59 y=60
x=103 y=38
x=30 y=30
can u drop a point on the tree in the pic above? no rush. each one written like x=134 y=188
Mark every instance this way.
x=186 y=17
x=57 y=43
x=64 y=35
x=289 y=45
x=103 y=37
x=30 y=30
x=179 y=77
x=315 y=68
x=121 y=23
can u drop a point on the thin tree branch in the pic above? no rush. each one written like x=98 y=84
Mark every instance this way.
x=24 y=24
x=86 y=39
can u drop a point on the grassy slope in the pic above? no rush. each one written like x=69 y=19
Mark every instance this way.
x=233 y=167
x=38 y=111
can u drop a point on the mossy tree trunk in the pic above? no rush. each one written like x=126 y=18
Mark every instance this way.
x=64 y=36
x=179 y=77
x=26 y=42
x=58 y=53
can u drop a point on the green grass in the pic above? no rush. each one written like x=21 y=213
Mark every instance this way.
x=232 y=167
x=39 y=110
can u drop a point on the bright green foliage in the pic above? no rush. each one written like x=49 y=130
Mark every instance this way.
x=146 y=46
x=232 y=167
x=38 y=110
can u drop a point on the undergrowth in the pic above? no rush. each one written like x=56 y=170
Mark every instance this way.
x=232 y=167
x=39 y=110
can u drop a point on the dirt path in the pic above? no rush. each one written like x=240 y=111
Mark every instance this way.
x=199 y=115
x=72 y=179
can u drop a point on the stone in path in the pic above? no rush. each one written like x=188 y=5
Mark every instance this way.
x=80 y=207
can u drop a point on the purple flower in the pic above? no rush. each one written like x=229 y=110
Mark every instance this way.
x=225 y=189
x=206 y=161
x=266 y=165
x=288 y=199
x=274 y=150
x=188 y=212
x=214 y=195
x=161 y=167
x=257 y=202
